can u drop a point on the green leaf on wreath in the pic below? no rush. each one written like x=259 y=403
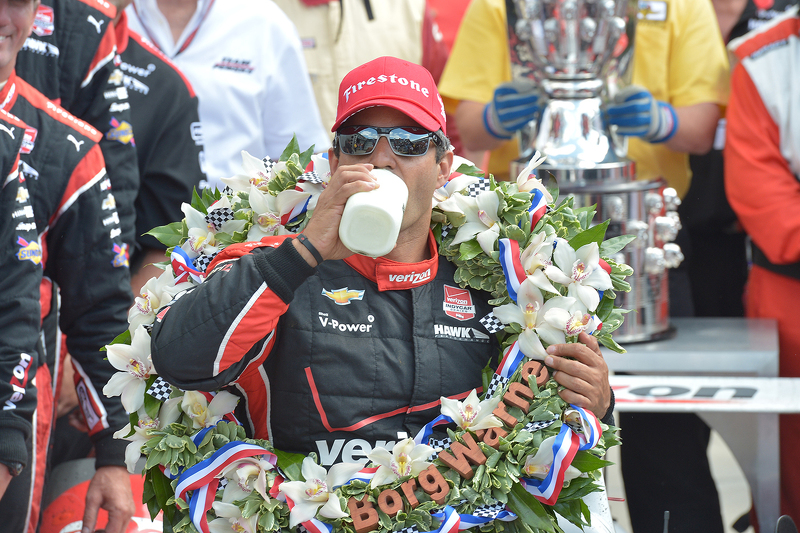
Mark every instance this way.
x=169 y=235
x=516 y=233
x=469 y=250
x=610 y=343
x=529 y=510
x=470 y=170
x=593 y=234
x=122 y=338
x=292 y=148
x=586 y=462
x=291 y=464
x=615 y=244
x=151 y=406
x=197 y=202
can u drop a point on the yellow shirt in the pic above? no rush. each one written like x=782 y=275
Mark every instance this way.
x=680 y=60
x=339 y=36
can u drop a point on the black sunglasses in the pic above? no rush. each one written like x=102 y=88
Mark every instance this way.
x=407 y=140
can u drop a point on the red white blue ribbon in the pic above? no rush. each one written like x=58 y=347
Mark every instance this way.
x=450 y=520
x=511 y=360
x=512 y=266
x=424 y=434
x=566 y=445
x=365 y=475
x=183 y=266
x=538 y=207
x=296 y=211
x=203 y=478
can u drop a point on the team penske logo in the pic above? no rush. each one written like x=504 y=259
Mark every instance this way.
x=458 y=303
x=413 y=278
x=120 y=256
x=29 y=251
x=120 y=131
x=28 y=140
x=343 y=296
x=43 y=24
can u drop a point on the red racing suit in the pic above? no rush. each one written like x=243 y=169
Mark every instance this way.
x=762 y=167
x=83 y=253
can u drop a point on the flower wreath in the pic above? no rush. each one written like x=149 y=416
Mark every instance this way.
x=515 y=458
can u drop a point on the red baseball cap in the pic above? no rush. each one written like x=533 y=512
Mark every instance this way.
x=391 y=82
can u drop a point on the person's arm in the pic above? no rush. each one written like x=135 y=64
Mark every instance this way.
x=697 y=125
x=759 y=184
x=474 y=136
x=581 y=369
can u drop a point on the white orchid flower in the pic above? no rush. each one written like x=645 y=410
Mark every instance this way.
x=574 y=320
x=229 y=519
x=266 y=216
x=302 y=193
x=527 y=180
x=536 y=257
x=482 y=219
x=205 y=414
x=406 y=459
x=254 y=173
x=154 y=294
x=135 y=364
x=443 y=196
x=580 y=271
x=321 y=166
x=168 y=414
x=316 y=493
x=245 y=476
x=532 y=313
x=472 y=414
x=539 y=465
x=196 y=219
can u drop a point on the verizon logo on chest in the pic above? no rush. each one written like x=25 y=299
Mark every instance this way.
x=458 y=303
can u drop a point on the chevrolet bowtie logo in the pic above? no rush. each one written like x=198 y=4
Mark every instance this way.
x=343 y=296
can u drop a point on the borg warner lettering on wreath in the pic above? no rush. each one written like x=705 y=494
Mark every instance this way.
x=392 y=78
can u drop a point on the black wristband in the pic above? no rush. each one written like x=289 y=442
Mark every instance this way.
x=310 y=247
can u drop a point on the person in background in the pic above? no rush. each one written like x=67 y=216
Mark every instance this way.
x=80 y=234
x=762 y=165
x=245 y=62
x=670 y=111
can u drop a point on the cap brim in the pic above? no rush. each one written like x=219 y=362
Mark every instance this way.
x=410 y=109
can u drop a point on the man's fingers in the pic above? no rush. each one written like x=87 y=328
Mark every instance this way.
x=117 y=522
x=90 y=514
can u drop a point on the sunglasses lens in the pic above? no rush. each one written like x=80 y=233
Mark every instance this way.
x=359 y=140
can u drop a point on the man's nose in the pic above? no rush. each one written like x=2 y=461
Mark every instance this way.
x=383 y=156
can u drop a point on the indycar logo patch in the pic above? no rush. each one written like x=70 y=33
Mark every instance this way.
x=121 y=132
x=458 y=303
x=28 y=140
x=29 y=251
x=120 y=256
x=343 y=296
x=43 y=24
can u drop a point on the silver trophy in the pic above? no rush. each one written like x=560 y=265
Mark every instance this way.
x=579 y=53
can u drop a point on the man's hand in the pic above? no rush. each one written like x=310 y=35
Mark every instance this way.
x=5 y=479
x=515 y=103
x=323 y=228
x=585 y=375
x=109 y=489
x=637 y=114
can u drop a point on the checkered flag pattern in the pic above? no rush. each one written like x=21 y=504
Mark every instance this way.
x=443 y=444
x=530 y=427
x=310 y=177
x=218 y=217
x=446 y=229
x=223 y=482
x=227 y=191
x=203 y=261
x=160 y=390
x=411 y=529
x=491 y=323
x=476 y=188
x=497 y=383
x=268 y=164
x=489 y=511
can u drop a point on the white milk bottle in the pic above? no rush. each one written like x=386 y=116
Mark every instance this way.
x=371 y=220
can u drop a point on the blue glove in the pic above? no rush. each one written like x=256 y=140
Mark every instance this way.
x=637 y=114
x=514 y=104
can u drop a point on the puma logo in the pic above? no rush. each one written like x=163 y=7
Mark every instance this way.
x=95 y=22
x=75 y=141
x=9 y=131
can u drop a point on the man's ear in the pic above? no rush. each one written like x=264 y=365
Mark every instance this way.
x=445 y=168
x=333 y=161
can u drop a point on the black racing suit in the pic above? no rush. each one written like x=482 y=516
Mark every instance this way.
x=83 y=253
x=334 y=360
x=169 y=142
x=75 y=38
x=21 y=265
